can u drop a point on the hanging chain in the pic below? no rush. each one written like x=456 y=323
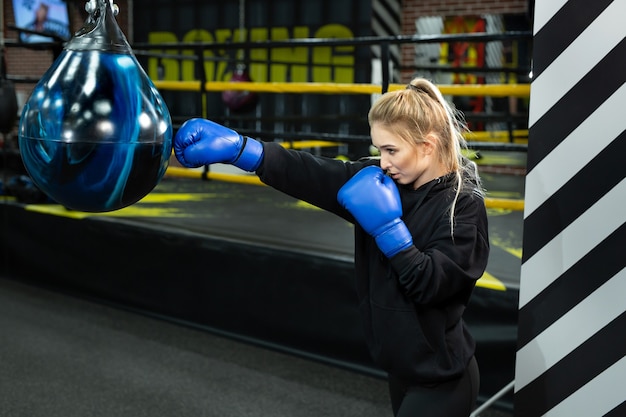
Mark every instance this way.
x=242 y=19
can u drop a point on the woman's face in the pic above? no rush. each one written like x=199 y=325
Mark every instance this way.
x=406 y=163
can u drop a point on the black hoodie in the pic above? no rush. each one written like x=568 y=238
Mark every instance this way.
x=411 y=304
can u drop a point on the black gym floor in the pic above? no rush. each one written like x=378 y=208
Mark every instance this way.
x=209 y=298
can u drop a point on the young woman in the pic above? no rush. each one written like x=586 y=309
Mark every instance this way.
x=421 y=238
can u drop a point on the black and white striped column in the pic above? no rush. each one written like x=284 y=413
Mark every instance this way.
x=386 y=21
x=571 y=358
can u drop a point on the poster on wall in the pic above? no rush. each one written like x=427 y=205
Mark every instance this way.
x=42 y=21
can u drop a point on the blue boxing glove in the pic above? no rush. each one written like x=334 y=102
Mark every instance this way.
x=374 y=201
x=201 y=142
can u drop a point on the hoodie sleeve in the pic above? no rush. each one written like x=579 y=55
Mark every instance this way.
x=307 y=177
x=445 y=266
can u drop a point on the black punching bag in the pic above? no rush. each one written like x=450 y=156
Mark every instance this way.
x=8 y=101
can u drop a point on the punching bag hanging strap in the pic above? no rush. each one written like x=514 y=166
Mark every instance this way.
x=237 y=100
x=242 y=20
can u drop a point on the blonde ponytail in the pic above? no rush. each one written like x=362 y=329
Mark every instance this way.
x=421 y=109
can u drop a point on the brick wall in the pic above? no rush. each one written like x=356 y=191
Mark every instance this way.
x=27 y=63
x=413 y=9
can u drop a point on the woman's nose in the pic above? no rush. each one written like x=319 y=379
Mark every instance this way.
x=384 y=163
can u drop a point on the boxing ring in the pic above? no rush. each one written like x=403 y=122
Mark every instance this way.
x=261 y=267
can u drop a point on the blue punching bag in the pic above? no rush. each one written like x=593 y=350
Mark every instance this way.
x=95 y=135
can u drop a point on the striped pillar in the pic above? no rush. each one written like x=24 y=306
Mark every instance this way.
x=386 y=21
x=571 y=358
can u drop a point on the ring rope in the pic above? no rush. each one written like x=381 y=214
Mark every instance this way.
x=493 y=90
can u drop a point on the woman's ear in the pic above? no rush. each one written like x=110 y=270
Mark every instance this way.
x=430 y=144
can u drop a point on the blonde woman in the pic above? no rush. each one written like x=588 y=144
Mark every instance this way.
x=421 y=239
